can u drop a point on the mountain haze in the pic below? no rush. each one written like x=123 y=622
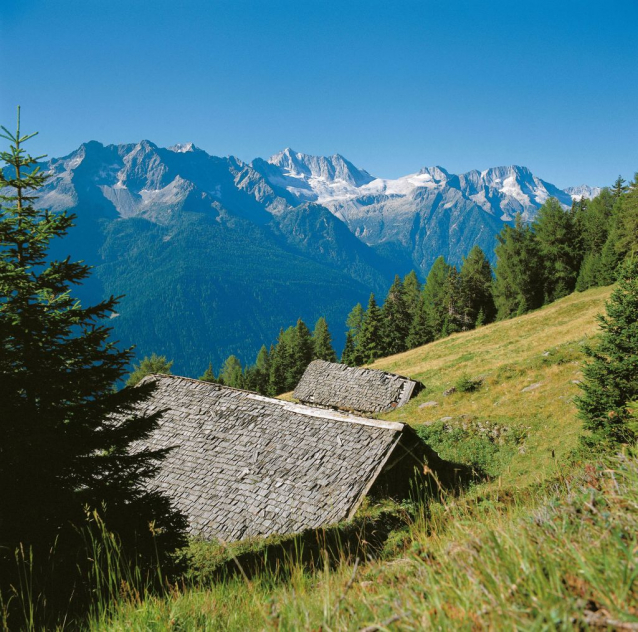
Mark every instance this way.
x=214 y=254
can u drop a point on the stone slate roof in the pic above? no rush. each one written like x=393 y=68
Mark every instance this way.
x=351 y=388
x=246 y=465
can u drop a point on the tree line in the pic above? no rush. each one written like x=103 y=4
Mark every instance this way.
x=562 y=250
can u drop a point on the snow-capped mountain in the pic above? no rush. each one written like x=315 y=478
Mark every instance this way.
x=213 y=246
x=583 y=191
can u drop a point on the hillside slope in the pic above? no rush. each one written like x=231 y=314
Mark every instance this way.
x=530 y=367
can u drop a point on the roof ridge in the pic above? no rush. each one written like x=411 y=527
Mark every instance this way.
x=304 y=409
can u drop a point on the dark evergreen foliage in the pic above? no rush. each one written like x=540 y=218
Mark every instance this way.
x=611 y=378
x=476 y=289
x=62 y=452
x=518 y=285
x=396 y=319
x=555 y=235
x=370 y=339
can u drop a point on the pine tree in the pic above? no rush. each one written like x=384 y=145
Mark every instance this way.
x=322 y=342
x=209 y=374
x=557 y=246
x=396 y=318
x=61 y=452
x=611 y=378
x=149 y=366
x=232 y=373
x=518 y=283
x=476 y=289
x=371 y=335
x=348 y=353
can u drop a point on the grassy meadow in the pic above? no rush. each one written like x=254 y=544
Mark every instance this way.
x=536 y=542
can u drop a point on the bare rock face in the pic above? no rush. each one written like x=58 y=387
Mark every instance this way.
x=531 y=387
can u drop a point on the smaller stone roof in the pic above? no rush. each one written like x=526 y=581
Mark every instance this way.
x=333 y=385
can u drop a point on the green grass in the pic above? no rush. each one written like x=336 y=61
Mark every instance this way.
x=538 y=543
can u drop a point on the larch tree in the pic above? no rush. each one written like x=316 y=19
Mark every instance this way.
x=155 y=364
x=322 y=342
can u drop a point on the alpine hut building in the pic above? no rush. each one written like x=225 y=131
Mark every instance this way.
x=343 y=387
x=244 y=465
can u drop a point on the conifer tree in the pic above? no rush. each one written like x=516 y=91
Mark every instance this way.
x=557 y=246
x=348 y=353
x=518 y=283
x=396 y=317
x=619 y=187
x=437 y=296
x=476 y=289
x=627 y=234
x=61 y=452
x=280 y=363
x=611 y=378
x=262 y=371
x=412 y=292
x=371 y=344
x=209 y=374
x=322 y=342
x=420 y=331
x=302 y=350
x=148 y=366
x=232 y=373
x=354 y=324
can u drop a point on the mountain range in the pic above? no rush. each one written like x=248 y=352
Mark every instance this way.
x=214 y=254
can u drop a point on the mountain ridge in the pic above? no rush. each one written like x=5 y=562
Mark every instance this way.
x=215 y=254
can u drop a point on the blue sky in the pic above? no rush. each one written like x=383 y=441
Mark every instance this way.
x=393 y=86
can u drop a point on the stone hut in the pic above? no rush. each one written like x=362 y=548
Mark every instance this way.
x=367 y=391
x=245 y=465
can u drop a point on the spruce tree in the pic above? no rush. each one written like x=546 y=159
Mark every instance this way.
x=302 y=350
x=518 y=283
x=476 y=289
x=420 y=330
x=557 y=246
x=148 y=366
x=322 y=342
x=611 y=378
x=61 y=452
x=396 y=318
x=209 y=374
x=436 y=296
x=371 y=343
x=348 y=353
x=280 y=363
